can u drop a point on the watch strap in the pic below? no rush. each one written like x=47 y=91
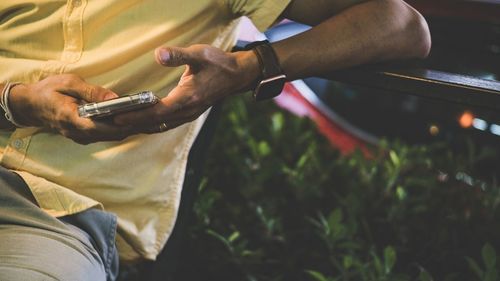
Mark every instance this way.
x=271 y=80
x=268 y=60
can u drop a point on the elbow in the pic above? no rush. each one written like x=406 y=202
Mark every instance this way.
x=408 y=30
x=420 y=38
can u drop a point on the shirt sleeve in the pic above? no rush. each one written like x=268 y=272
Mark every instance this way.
x=263 y=13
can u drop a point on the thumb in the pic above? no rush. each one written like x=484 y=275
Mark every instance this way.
x=173 y=56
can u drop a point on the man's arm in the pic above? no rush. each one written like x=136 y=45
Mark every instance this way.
x=347 y=33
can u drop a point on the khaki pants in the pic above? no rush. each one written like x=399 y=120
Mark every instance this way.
x=35 y=246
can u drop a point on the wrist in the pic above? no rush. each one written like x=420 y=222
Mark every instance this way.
x=248 y=68
x=5 y=103
x=17 y=100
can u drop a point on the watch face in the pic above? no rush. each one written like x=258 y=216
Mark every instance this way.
x=269 y=88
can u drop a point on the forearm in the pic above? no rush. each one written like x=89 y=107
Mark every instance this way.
x=369 y=32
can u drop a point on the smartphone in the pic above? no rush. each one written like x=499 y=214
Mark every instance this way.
x=117 y=105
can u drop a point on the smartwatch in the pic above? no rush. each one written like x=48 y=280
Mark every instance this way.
x=272 y=79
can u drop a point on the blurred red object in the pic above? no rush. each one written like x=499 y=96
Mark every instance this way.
x=292 y=100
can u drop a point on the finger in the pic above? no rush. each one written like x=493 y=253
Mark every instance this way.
x=174 y=56
x=88 y=131
x=145 y=117
x=137 y=117
x=175 y=105
x=75 y=86
x=109 y=132
x=166 y=126
x=91 y=93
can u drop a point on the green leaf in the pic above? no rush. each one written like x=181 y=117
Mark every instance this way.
x=424 y=275
x=377 y=264
x=324 y=223
x=489 y=256
x=401 y=193
x=394 y=158
x=316 y=275
x=221 y=239
x=389 y=259
x=264 y=148
x=277 y=121
x=475 y=267
x=315 y=222
x=302 y=160
x=337 y=229
x=347 y=262
x=491 y=275
x=235 y=235
x=246 y=253
x=335 y=218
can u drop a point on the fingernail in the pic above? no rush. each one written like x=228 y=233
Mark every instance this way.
x=162 y=55
x=109 y=96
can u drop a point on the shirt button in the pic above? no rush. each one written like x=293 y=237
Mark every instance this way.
x=77 y=3
x=18 y=144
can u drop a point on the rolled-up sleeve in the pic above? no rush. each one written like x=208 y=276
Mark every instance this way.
x=263 y=13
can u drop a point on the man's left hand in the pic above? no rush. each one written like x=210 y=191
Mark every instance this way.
x=211 y=74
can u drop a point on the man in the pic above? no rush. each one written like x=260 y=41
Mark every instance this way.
x=64 y=178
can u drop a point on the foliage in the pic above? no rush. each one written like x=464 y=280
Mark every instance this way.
x=279 y=203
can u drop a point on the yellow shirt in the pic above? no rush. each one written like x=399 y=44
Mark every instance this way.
x=111 y=43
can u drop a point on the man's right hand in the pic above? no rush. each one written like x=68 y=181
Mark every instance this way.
x=52 y=103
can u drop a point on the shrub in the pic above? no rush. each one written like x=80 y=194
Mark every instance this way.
x=279 y=203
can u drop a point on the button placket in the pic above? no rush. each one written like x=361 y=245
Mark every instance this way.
x=73 y=31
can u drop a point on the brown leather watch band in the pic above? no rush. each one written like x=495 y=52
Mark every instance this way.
x=268 y=60
x=272 y=79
